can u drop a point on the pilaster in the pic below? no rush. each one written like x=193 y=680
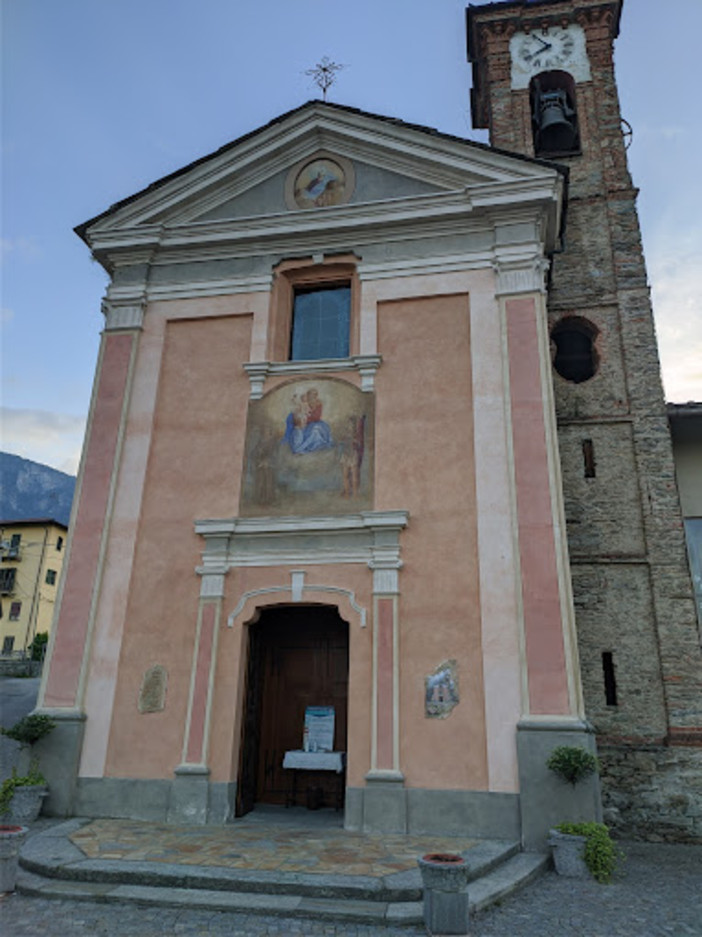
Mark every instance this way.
x=71 y=633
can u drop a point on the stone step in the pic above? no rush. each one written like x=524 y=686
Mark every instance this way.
x=507 y=878
x=53 y=855
x=502 y=872
x=338 y=909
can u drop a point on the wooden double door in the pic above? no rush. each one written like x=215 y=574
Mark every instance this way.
x=298 y=657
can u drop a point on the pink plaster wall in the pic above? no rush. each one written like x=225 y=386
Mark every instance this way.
x=117 y=567
x=193 y=471
x=425 y=463
x=72 y=625
x=545 y=653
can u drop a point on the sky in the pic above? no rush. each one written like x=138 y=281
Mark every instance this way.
x=102 y=97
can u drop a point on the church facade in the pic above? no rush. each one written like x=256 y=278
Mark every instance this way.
x=355 y=379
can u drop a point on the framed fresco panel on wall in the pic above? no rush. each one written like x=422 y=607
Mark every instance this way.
x=309 y=450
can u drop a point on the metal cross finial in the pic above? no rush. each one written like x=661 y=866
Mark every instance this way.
x=324 y=74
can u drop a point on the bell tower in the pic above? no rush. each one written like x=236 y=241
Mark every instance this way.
x=544 y=86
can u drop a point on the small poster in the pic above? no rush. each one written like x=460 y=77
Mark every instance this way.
x=319 y=729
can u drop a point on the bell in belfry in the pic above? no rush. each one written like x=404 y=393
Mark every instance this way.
x=556 y=128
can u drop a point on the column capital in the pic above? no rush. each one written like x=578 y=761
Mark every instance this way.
x=519 y=272
x=122 y=315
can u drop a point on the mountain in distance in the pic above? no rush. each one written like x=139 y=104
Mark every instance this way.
x=29 y=490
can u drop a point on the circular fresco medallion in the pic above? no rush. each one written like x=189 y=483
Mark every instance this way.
x=319 y=183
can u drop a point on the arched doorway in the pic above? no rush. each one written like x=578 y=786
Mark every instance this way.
x=298 y=657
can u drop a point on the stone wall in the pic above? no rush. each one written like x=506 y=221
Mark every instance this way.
x=653 y=792
x=631 y=583
x=20 y=668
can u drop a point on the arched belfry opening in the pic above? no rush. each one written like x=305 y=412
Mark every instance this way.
x=298 y=658
x=554 y=115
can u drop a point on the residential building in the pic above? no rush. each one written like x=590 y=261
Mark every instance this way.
x=686 y=429
x=31 y=561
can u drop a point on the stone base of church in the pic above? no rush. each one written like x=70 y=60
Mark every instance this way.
x=383 y=805
x=59 y=756
x=382 y=809
x=545 y=799
x=185 y=799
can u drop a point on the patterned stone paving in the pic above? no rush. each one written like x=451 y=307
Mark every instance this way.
x=261 y=847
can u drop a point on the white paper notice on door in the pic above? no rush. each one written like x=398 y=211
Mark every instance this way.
x=319 y=729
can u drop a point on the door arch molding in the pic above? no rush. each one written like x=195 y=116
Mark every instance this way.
x=296 y=592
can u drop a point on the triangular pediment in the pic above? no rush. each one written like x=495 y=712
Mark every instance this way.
x=381 y=164
x=371 y=183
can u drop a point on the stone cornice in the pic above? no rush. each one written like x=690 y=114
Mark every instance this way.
x=370 y=538
x=418 y=216
x=365 y=365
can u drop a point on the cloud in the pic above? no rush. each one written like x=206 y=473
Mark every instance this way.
x=652 y=134
x=26 y=248
x=54 y=439
x=676 y=280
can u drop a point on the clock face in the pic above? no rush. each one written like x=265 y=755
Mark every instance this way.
x=546 y=49
x=543 y=50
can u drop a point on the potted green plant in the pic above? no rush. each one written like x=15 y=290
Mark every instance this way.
x=585 y=848
x=21 y=796
x=572 y=764
x=581 y=849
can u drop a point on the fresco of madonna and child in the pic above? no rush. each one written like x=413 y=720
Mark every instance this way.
x=309 y=450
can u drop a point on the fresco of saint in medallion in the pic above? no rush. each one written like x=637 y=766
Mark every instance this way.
x=321 y=182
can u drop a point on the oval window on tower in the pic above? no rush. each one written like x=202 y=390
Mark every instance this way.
x=575 y=357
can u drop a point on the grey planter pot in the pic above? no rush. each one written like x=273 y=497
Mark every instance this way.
x=26 y=802
x=568 y=854
x=445 y=881
x=11 y=839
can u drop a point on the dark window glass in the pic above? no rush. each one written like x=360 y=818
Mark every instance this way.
x=59 y=544
x=589 y=464
x=51 y=577
x=321 y=321
x=610 y=678
x=7 y=579
x=8 y=644
x=15 y=609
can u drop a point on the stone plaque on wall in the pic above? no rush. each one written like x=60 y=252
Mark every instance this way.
x=441 y=690
x=152 y=696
